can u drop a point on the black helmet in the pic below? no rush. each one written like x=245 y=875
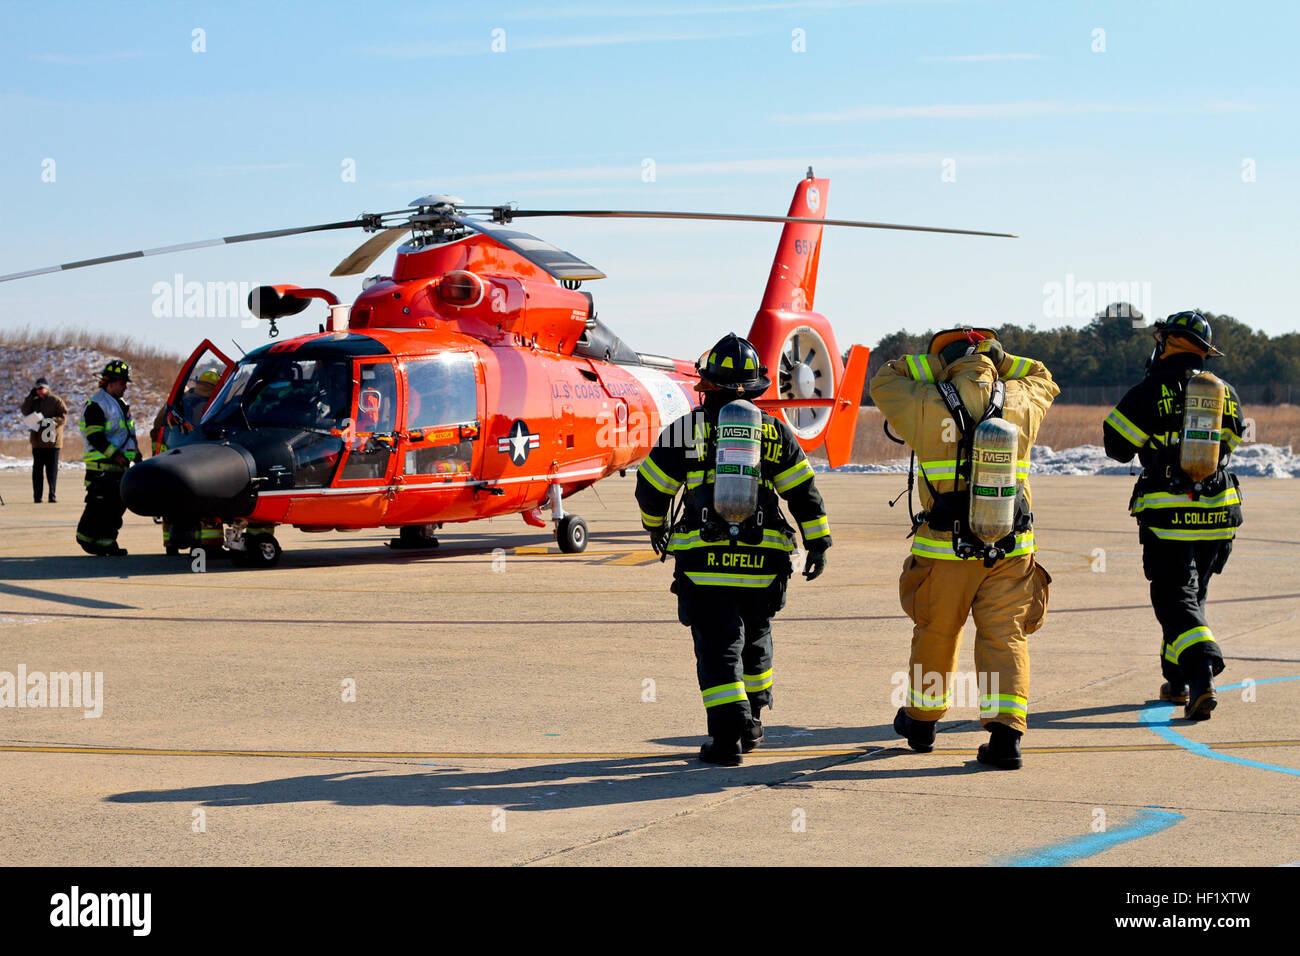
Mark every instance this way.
x=1190 y=325
x=116 y=369
x=733 y=365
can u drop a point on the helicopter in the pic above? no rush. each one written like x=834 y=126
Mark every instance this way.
x=474 y=381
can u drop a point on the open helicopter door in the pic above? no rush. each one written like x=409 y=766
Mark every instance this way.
x=441 y=435
x=203 y=373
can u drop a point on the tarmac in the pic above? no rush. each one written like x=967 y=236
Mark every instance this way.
x=497 y=702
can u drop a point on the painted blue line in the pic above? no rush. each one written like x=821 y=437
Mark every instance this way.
x=1159 y=718
x=1147 y=822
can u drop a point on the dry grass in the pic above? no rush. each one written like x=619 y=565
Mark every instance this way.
x=148 y=362
x=1068 y=426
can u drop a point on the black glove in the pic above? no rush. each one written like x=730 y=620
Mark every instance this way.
x=815 y=563
x=659 y=540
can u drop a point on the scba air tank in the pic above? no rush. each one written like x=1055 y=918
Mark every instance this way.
x=993 y=480
x=1198 y=454
x=737 y=466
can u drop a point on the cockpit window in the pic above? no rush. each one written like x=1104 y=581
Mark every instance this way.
x=281 y=391
x=441 y=391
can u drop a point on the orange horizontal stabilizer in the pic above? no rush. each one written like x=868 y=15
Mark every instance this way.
x=844 y=415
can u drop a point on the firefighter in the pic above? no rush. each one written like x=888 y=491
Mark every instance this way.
x=182 y=534
x=110 y=449
x=936 y=402
x=1186 y=526
x=730 y=575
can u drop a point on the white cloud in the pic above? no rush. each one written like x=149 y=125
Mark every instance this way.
x=957 y=111
x=90 y=59
x=514 y=44
x=982 y=57
x=631 y=171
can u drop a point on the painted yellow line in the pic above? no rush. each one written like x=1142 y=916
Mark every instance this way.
x=586 y=755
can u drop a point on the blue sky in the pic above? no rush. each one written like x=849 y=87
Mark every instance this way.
x=1125 y=165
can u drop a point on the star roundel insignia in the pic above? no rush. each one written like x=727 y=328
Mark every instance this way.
x=518 y=441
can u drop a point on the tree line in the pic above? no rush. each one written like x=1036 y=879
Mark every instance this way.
x=1099 y=362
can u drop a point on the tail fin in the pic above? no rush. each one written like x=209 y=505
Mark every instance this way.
x=792 y=282
x=796 y=343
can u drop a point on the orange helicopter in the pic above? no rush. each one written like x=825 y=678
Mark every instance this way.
x=474 y=381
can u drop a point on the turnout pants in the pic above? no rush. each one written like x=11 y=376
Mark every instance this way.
x=732 y=630
x=1180 y=572
x=45 y=469
x=102 y=517
x=1008 y=602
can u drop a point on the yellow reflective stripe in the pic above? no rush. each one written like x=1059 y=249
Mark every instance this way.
x=1024 y=545
x=1185 y=640
x=651 y=521
x=723 y=694
x=1171 y=534
x=1167 y=499
x=88 y=429
x=731 y=580
x=919 y=367
x=657 y=477
x=1022 y=470
x=940 y=471
x=817 y=528
x=685 y=540
x=928 y=701
x=1003 y=704
x=1232 y=438
x=1135 y=435
x=694 y=479
x=1019 y=368
x=941 y=549
x=791 y=477
x=757 y=682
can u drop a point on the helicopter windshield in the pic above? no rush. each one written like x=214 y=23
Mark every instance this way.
x=312 y=394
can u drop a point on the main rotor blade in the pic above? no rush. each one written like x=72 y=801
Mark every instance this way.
x=365 y=254
x=201 y=244
x=739 y=217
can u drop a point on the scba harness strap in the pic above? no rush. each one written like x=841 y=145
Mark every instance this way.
x=949 y=510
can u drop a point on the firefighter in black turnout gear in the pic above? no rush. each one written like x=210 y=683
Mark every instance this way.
x=110 y=449
x=1183 y=424
x=730 y=541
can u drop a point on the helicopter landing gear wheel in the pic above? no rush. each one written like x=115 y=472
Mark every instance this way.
x=260 y=551
x=571 y=533
x=415 y=536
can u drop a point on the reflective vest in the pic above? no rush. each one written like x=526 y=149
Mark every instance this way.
x=118 y=429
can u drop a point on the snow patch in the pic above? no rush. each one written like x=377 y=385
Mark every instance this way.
x=1248 y=461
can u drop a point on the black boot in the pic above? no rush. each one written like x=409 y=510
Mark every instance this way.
x=752 y=735
x=1201 y=699
x=1003 y=749
x=919 y=733
x=724 y=755
x=1173 y=692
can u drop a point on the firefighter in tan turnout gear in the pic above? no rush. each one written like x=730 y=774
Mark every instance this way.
x=971 y=413
x=731 y=542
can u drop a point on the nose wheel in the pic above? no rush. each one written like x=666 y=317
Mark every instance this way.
x=260 y=551
x=571 y=533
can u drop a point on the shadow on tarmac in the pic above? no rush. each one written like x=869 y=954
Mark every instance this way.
x=551 y=786
x=360 y=552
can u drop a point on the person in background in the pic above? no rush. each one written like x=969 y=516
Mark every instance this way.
x=47 y=436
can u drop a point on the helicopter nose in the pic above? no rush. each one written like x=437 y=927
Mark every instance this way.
x=202 y=480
